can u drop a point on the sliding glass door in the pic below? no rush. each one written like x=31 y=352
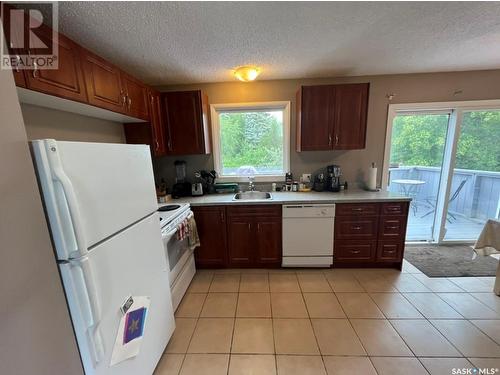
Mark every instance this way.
x=415 y=165
x=475 y=185
x=446 y=157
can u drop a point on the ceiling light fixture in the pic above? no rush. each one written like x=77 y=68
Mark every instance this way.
x=246 y=73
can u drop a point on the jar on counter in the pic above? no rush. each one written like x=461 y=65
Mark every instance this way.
x=295 y=186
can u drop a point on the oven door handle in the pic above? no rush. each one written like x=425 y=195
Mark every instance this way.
x=174 y=231
x=171 y=233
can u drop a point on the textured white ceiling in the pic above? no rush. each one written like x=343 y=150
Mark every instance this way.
x=187 y=42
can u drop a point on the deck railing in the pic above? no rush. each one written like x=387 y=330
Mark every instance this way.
x=479 y=197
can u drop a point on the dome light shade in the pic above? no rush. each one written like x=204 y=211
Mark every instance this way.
x=246 y=73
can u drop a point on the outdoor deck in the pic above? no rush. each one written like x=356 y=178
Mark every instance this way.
x=474 y=197
x=420 y=229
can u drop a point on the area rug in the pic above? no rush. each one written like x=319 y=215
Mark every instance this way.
x=450 y=261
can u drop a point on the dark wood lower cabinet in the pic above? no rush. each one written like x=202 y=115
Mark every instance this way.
x=390 y=251
x=269 y=244
x=365 y=238
x=246 y=236
x=355 y=251
x=241 y=241
x=211 y=223
x=253 y=236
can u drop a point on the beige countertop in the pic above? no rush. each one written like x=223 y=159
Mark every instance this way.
x=349 y=196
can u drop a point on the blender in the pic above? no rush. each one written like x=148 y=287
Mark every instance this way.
x=182 y=188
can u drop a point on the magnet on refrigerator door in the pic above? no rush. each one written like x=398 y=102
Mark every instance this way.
x=130 y=330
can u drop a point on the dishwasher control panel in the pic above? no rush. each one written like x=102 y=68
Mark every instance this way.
x=308 y=210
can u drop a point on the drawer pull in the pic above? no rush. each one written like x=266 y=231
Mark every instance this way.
x=393 y=208
x=356 y=228
x=357 y=209
x=390 y=251
x=393 y=227
x=355 y=251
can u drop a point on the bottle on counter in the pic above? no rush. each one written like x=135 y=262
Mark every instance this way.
x=273 y=186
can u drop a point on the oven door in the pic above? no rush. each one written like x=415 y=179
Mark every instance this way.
x=177 y=253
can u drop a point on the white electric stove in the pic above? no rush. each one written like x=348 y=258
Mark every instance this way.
x=179 y=254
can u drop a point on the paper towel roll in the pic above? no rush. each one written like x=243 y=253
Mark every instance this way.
x=372 y=178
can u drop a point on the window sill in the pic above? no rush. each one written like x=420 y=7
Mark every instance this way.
x=257 y=179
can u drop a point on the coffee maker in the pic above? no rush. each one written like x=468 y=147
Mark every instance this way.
x=333 y=178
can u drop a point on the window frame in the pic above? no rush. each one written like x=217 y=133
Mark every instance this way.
x=216 y=109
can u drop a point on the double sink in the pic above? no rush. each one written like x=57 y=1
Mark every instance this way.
x=252 y=196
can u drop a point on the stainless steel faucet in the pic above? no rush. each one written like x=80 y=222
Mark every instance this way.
x=251 y=186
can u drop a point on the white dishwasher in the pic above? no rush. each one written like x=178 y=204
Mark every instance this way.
x=308 y=235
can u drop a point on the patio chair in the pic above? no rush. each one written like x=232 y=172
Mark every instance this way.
x=454 y=196
x=414 y=191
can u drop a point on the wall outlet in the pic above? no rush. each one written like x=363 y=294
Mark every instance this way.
x=306 y=177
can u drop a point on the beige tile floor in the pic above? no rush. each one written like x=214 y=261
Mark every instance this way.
x=333 y=322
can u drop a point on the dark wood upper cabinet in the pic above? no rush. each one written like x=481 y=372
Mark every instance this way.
x=186 y=122
x=83 y=76
x=211 y=224
x=314 y=118
x=136 y=97
x=351 y=107
x=332 y=117
x=104 y=84
x=152 y=132
x=15 y=53
x=157 y=128
x=67 y=80
x=19 y=78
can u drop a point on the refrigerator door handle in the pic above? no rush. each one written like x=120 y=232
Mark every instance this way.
x=70 y=196
x=92 y=311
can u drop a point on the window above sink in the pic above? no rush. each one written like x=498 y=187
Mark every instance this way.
x=251 y=139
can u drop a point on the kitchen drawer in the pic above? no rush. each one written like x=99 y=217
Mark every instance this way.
x=354 y=251
x=395 y=208
x=266 y=210
x=356 y=228
x=346 y=209
x=392 y=227
x=390 y=251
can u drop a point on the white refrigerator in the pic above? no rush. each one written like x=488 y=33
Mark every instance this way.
x=101 y=206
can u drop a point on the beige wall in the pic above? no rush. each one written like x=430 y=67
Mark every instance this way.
x=43 y=122
x=408 y=88
x=36 y=336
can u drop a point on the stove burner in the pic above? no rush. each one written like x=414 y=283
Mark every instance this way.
x=169 y=207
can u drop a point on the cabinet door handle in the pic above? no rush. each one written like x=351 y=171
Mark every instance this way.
x=124 y=98
x=355 y=251
x=258 y=227
x=170 y=145
x=249 y=227
x=336 y=139
x=356 y=228
x=35 y=71
x=157 y=145
x=129 y=102
x=18 y=60
x=222 y=217
x=329 y=139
